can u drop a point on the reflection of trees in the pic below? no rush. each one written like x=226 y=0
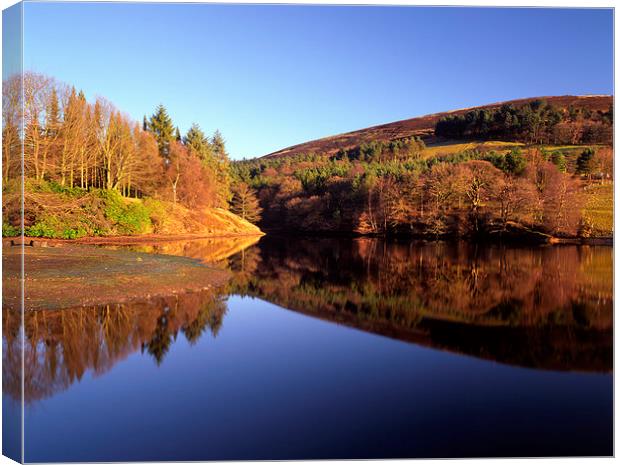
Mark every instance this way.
x=416 y=291
x=62 y=345
x=215 y=250
x=548 y=307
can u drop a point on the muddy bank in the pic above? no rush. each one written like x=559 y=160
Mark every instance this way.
x=124 y=240
x=77 y=275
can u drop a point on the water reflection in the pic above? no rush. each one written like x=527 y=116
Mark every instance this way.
x=62 y=345
x=214 y=251
x=546 y=308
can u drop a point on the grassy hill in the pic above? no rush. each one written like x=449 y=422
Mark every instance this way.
x=424 y=126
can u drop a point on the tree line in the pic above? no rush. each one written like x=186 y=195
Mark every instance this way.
x=378 y=187
x=468 y=193
x=534 y=123
x=378 y=151
x=75 y=144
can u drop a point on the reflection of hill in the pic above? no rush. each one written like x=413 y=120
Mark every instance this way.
x=62 y=345
x=545 y=307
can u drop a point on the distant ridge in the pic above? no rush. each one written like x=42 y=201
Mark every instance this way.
x=424 y=126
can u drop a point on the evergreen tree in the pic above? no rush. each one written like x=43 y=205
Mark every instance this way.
x=145 y=125
x=585 y=162
x=52 y=119
x=160 y=124
x=515 y=162
x=245 y=203
x=196 y=141
x=222 y=168
x=219 y=146
x=559 y=160
x=177 y=135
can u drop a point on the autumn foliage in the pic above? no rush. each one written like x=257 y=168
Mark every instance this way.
x=78 y=144
x=73 y=147
x=528 y=192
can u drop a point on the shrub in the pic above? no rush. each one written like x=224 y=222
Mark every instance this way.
x=158 y=212
x=56 y=228
x=74 y=233
x=42 y=186
x=9 y=230
x=46 y=227
x=137 y=219
x=128 y=217
x=66 y=190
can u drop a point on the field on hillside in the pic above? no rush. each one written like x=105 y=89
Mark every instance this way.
x=599 y=208
x=451 y=147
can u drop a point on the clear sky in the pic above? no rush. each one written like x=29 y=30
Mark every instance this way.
x=273 y=76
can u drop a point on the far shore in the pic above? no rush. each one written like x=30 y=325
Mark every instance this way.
x=540 y=239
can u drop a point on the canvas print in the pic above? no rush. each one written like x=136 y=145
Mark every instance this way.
x=304 y=232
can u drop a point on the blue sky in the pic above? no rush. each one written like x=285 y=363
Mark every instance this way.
x=11 y=38
x=273 y=76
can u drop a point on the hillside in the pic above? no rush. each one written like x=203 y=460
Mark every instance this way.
x=71 y=213
x=90 y=171
x=424 y=126
x=535 y=169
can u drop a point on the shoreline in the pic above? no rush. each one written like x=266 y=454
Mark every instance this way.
x=537 y=239
x=76 y=275
x=124 y=240
x=162 y=238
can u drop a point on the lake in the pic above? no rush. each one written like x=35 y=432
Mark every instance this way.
x=330 y=348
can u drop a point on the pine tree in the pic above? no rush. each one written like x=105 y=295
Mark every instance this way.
x=559 y=160
x=222 y=168
x=245 y=203
x=52 y=113
x=219 y=145
x=177 y=135
x=196 y=141
x=145 y=125
x=160 y=124
x=515 y=162
x=585 y=162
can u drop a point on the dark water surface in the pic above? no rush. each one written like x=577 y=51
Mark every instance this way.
x=331 y=348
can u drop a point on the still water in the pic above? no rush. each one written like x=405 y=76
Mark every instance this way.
x=331 y=348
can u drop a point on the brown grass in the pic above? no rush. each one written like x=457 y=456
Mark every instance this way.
x=424 y=126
